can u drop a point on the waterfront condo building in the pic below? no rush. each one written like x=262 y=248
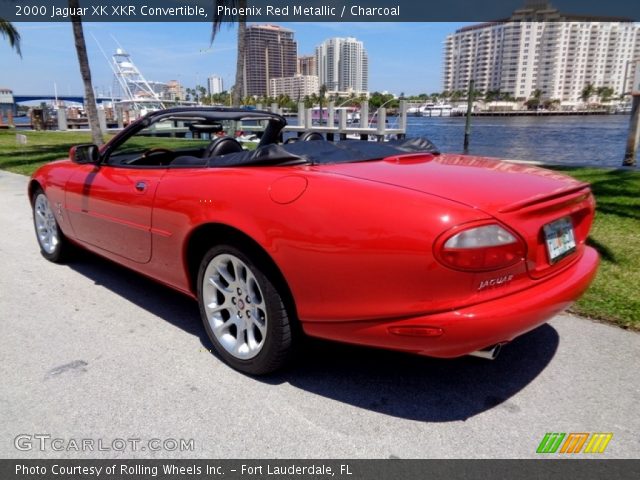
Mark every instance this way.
x=539 y=48
x=271 y=52
x=307 y=65
x=215 y=84
x=343 y=66
x=296 y=87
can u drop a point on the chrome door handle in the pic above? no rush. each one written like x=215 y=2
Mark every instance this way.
x=140 y=186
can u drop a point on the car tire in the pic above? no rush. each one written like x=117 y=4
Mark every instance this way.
x=243 y=311
x=54 y=246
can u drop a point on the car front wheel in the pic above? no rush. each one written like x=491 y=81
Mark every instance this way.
x=53 y=244
x=243 y=312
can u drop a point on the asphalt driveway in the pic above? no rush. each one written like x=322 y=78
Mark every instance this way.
x=90 y=350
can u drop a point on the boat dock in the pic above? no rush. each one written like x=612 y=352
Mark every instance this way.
x=338 y=128
x=334 y=125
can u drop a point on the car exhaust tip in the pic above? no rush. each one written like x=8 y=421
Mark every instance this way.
x=489 y=353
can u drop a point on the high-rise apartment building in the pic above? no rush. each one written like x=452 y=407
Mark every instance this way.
x=343 y=66
x=215 y=84
x=271 y=52
x=307 y=65
x=539 y=48
x=296 y=87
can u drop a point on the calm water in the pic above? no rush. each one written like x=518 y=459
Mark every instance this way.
x=580 y=140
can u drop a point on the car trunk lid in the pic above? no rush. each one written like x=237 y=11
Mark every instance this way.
x=484 y=183
x=524 y=197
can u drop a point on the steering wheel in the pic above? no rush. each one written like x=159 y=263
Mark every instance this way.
x=153 y=151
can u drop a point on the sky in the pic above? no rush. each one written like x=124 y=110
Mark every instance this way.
x=403 y=57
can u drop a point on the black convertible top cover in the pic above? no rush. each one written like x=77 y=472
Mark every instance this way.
x=320 y=152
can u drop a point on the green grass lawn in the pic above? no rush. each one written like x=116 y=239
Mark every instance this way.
x=613 y=297
x=615 y=294
x=41 y=147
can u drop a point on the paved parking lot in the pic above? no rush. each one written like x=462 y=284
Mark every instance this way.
x=92 y=351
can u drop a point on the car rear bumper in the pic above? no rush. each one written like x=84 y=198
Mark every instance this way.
x=460 y=332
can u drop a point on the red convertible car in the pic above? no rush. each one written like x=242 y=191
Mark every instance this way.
x=389 y=245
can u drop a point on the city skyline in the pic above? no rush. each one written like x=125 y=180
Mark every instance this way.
x=171 y=53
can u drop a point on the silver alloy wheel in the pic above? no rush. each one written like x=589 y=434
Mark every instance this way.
x=46 y=226
x=235 y=306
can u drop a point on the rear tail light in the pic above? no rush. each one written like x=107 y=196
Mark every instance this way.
x=481 y=248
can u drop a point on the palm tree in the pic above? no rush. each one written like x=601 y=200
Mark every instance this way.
x=85 y=72
x=457 y=95
x=313 y=100
x=287 y=102
x=218 y=20
x=8 y=31
x=202 y=92
x=605 y=93
x=587 y=92
x=492 y=95
x=323 y=92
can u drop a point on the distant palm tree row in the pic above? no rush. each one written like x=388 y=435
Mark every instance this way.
x=198 y=94
x=588 y=92
x=377 y=99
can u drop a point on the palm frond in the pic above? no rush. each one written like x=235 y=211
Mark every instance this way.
x=8 y=31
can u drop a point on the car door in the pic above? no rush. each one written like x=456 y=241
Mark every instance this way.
x=110 y=204
x=110 y=207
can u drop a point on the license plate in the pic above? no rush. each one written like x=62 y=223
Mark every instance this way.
x=560 y=239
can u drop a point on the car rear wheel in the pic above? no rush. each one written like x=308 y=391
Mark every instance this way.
x=243 y=312
x=53 y=244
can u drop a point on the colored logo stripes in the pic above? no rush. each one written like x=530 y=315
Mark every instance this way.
x=574 y=442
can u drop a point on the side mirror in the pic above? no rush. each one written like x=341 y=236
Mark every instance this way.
x=87 y=153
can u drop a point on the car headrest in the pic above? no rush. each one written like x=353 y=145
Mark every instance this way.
x=222 y=146
x=307 y=136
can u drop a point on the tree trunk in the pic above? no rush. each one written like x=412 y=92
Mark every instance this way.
x=85 y=72
x=238 y=90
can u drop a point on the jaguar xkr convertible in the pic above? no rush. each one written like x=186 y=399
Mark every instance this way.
x=386 y=244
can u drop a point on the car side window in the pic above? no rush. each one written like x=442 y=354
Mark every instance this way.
x=158 y=144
